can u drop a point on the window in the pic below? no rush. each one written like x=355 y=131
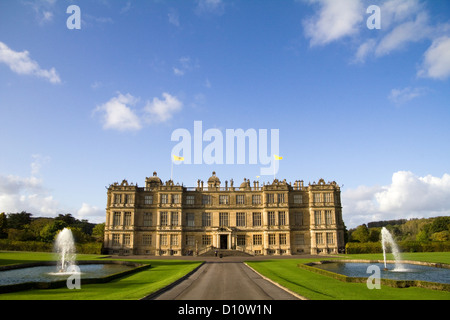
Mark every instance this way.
x=126 y=239
x=256 y=219
x=174 y=219
x=127 y=219
x=299 y=239
x=257 y=239
x=271 y=218
x=283 y=238
x=190 y=199
x=240 y=199
x=328 y=217
x=298 y=198
x=240 y=219
x=327 y=197
x=117 y=198
x=174 y=239
x=281 y=198
x=270 y=198
x=241 y=240
x=206 y=199
x=163 y=219
x=206 y=219
x=256 y=199
x=272 y=238
x=282 y=218
x=163 y=239
x=190 y=219
x=190 y=240
x=316 y=197
x=298 y=218
x=223 y=219
x=317 y=217
x=116 y=219
x=319 y=238
x=148 y=219
x=128 y=198
x=146 y=239
x=330 y=238
x=148 y=199
x=224 y=199
x=164 y=198
x=206 y=240
x=116 y=239
x=176 y=199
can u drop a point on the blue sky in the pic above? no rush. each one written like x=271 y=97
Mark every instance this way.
x=82 y=109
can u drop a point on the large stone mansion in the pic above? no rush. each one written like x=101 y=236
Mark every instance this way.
x=272 y=219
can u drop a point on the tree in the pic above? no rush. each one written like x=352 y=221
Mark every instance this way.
x=361 y=234
x=18 y=220
x=440 y=224
x=3 y=226
x=99 y=232
x=49 y=232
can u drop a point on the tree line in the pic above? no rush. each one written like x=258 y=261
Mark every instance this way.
x=24 y=227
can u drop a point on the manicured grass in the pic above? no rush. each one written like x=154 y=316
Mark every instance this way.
x=319 y=287
x=133 y=287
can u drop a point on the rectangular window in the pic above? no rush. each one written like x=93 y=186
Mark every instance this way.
x=224 y=199
x=146 y=239
x=126 y=239
x=206 y=219
x=328 y=217
x=319 y=238
x=240 y=199
x=127 y=219
x=282 y=218
x=240 y=219
x=317 y=217
x=270 y=198
x=206 y=240
x=271 y=218
x=190 y=219
x=163 y=219
x=174 y=239
x=128 y=198
x=281 y=198
x=257 y=219
x=148 y=219
x=206 y=199
x=176 y=199
x=316 y=197
x=283 y=238
x=148 y=199
x=241 y=240
x=272 y=238
x=190 y=199
x=164 y=198
x=257 y=239
x=223 y=219
x=163 y=240
x=298 y=218
x=330 y=238
x=174 y=219
x=256 y=199
x=116 y=220
x=116 y=239
x=190 y=240
x=298 y=198
x=117 y=198
x=328 y=197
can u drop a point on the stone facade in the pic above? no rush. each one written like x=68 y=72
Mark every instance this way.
x=272 y=219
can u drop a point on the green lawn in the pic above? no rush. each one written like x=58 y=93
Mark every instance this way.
x=133 y=287
x=319 y=287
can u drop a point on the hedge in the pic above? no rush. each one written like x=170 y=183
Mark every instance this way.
x=37 y=246
x=404 y=246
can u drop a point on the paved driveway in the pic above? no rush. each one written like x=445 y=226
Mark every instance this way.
x=225 y=281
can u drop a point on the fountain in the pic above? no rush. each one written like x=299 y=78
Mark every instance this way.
x=65 y=247
x=387 y=239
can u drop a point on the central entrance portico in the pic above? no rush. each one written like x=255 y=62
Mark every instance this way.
x=223 y=241
x=223 y=238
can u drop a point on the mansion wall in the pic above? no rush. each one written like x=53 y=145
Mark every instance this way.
x=272 y=219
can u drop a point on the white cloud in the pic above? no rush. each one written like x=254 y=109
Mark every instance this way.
x=174 y=18
x=210 y=7
x=91 y=213
x=118 y=115
x=336 y=19
x=400 y=96
x=21 y=63
x=408 y=196
x=436 y=63
x=163 y=110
